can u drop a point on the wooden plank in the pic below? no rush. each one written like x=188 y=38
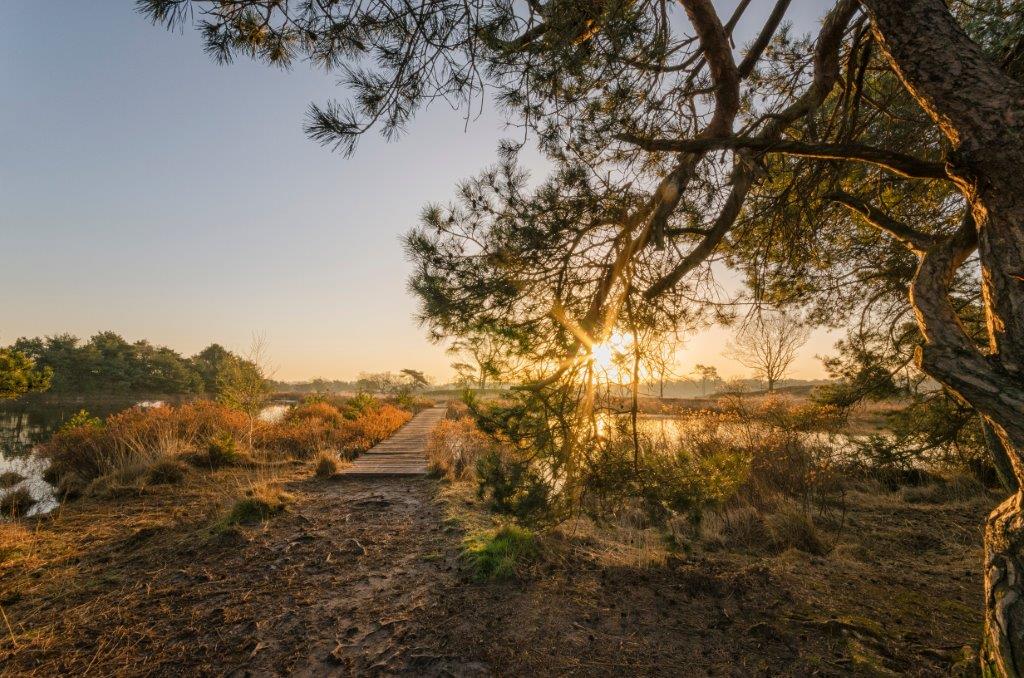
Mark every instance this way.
x=403 y=454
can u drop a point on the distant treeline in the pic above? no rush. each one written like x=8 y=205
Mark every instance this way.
x=314 y=386
x=109 y=364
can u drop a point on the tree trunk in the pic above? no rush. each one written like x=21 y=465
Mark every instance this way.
x=1003 y=650
x=981 y=112
x=1000 y=458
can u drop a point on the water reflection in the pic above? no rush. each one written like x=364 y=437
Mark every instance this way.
x=671 y=429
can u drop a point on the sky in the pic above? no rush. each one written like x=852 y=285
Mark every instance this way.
x=147 y=190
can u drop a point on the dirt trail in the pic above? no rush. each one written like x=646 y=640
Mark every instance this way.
x=361 y=576
x=338 y=585
x=393 y=562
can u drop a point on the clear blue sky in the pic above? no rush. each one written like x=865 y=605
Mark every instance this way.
x=146 y=190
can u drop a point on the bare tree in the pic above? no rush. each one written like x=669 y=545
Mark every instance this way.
x=484 y=359
x=660 y=361
x=768 y=343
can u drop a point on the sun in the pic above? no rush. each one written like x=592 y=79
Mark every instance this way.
x=603 y=356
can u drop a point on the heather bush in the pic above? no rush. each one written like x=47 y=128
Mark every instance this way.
x=316 y=410
x=365 y=431
x=201 y=420
x=312 y=427
x=79 y=454
x=299 y=439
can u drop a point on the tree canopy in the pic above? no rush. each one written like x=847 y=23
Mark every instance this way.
x=870 y=173
x=19 y=374
x=109 y=364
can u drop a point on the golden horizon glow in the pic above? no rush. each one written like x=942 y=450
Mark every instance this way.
x=608 y=355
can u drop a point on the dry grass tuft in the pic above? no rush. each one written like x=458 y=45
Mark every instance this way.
x=262 y=501
x=16 y=503
x=792 y=528
x=221 y=451
x=742 y=527
x=326 y=465
x=454 y=446
x=455 y=410
x=167 y=472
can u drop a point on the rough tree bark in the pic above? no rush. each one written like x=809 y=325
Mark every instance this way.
x=980 y=110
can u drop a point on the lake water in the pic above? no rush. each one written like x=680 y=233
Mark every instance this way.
x=671 y=429
x=26 y=424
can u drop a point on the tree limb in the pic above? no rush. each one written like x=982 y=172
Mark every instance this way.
x=897 y=163
x=915 y=241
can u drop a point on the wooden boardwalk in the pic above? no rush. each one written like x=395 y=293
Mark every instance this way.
x=400 y=455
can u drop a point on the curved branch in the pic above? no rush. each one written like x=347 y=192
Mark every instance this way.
x=897 y=163
x=826 y=72
x=915 y=241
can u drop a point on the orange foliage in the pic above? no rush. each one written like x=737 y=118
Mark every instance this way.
x=139 y=436
x=314 y=411
x=312 y=427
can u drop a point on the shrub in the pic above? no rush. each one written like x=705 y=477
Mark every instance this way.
x=9 y=479
x=359 y=404
x=794 y=529
x=260 y=503
x=326 y=465
x=79 y=454
x=166 y=472
x=502 y=554
x=128 y=443
x=313 y=427
x=456 y=409
x=201 y=420
x=82 y=418
x=782 y=461
x=412 y=403
x=220 y=451
x=16 y=503
x=300 y=439
x=455 y=446
x=370 y=428
x=515 y=488
x=316 y=411
x=668 y=475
